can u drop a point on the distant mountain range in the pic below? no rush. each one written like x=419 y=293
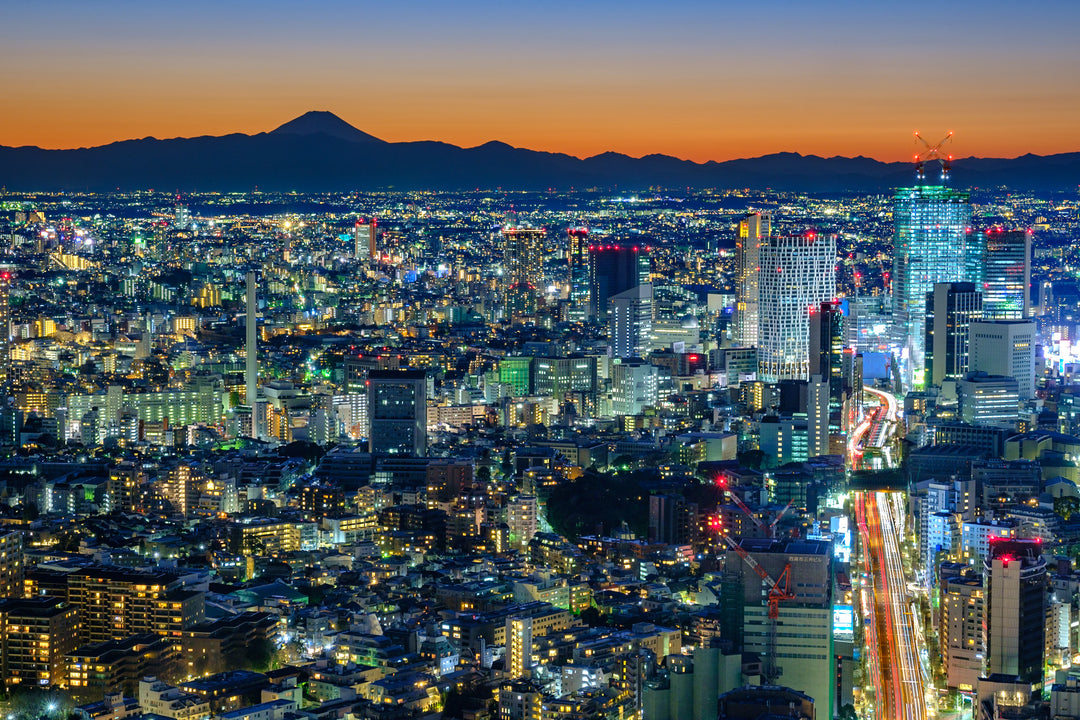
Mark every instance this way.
x=319 y=151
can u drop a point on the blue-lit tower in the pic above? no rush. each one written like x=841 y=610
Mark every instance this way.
x=931 y=244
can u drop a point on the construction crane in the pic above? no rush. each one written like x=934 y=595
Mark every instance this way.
x=769 y=530
x=779 y=591
x=782 y=513
x=932 y=153
x=748 y=512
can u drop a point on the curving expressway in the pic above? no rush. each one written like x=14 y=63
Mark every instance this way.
x=876 y=429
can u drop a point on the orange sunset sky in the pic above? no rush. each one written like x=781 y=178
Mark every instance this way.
x=699 y=80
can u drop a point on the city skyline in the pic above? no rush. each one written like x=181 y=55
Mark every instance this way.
x=357 y=400
x=839 y=80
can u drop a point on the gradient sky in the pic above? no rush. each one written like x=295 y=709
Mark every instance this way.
x=700 y=80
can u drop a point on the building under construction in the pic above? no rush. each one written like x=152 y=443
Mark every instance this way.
x=796 y=578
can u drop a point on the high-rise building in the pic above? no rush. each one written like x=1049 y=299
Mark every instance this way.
x=251 y=361
x=556 y=376
x=35 y=635
x=827 y=348
x=521 y=519
x=181 y=216
x=930 y=246
x=1005 y=347
x=1014 y=575
x=797 y=273
x=950 y=310
x=179 y=485
x=752 y=229
x=11 y=563
x=817 y=416
x=577 y=256
x=630 y=321
x=523 y=266
x=365 y=239
x=116 y=666
x=1006 y=274
x=801 y=640
x=518 y=647
x=522 y=700
x=397 y=408
x=634 y=386
x=672 y=519
x=615 y=268
x=5 y=332
x=961 y=630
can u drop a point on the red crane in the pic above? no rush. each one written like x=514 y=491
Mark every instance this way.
x=782 y=513
x=779 y=591
x=748 y=512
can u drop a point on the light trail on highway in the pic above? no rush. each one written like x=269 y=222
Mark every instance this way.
x=896 y=672
x=875 y=430
x=892 y=407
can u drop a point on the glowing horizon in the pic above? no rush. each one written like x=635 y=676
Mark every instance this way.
x=694 y=80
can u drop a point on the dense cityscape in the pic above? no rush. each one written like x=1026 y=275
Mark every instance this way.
x=540 y=456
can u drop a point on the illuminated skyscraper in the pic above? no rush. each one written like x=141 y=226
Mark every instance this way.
x=5 y=331
x=578 y=272
x=630 y=321
x=365 y=239
x=1006 y=274
x=1005 y=347
x=797 y=273
x=930 y=245
x=523 y=268
x=397 y=406
x=251 y=363
x=827 y=347
x=828 y=375
x=615 y=268
x=182 y=219
x=1014 y=576
x=752 y=229
x=634 y=386
x=950 y=310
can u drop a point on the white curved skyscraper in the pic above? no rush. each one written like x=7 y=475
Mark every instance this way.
x=797 y=273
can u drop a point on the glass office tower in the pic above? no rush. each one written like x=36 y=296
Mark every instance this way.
x=931 y=244
x=1006 y=276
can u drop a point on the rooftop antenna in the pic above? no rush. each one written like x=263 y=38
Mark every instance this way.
x=932 y=153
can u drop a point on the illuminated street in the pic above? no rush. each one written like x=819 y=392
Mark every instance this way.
x=896 y=675
x=870 y=443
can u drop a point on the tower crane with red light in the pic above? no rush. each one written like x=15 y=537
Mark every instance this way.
x=932 y=153
x=779 y=591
